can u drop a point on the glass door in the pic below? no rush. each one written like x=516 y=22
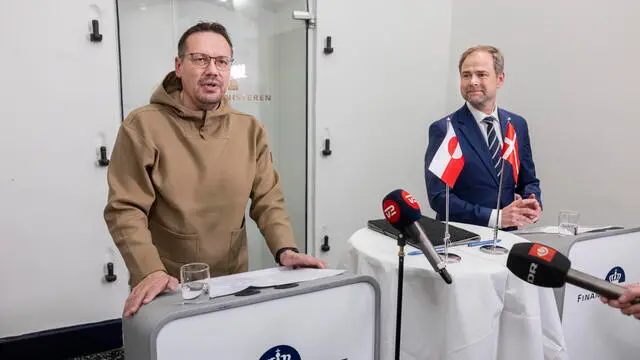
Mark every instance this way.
x=269 y=79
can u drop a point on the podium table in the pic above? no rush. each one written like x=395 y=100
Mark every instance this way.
x=335 y=317
x=594 y=331
x=487 y=313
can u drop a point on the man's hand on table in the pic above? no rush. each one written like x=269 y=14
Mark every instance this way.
x=293 y=259
x=147 y=290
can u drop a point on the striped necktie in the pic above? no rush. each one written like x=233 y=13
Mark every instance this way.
x=494 y=144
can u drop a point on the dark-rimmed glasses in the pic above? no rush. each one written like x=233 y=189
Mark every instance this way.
x=223 y=63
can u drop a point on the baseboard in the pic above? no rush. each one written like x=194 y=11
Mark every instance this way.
x=64 y=343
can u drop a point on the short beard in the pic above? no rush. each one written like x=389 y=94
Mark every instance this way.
x=207 y=104
x=477 y=102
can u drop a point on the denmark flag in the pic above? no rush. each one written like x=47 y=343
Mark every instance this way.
x=510 y=150
x=448 y=160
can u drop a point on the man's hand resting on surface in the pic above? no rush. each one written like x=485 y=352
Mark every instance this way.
x=147 y=290
x=520 y=212
x=293 y=259
x=533 y=205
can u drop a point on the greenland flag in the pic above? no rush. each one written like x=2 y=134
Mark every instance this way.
x=448 y=161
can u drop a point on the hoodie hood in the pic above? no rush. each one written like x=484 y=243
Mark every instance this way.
x=168 y=94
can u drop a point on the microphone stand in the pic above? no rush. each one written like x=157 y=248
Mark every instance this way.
x=401 y=244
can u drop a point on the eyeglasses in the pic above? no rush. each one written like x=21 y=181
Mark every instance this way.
x=223 y=63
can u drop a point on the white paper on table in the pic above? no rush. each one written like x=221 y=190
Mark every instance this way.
x=585 y=229
x=226 y=285
x=554 y=229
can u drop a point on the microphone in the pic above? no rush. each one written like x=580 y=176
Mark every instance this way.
x=544 y=266
x=402 y=211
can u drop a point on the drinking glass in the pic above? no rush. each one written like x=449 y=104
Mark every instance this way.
x=568 y=222
x=194 y=279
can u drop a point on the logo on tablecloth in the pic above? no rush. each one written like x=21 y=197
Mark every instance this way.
x=616 y=275
x=281 y=352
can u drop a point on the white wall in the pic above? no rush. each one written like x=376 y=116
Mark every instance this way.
x=571 y=72
x=54 y=244
x=376 y=94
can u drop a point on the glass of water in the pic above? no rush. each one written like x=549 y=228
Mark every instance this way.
x=194 y=280
x=568 y=222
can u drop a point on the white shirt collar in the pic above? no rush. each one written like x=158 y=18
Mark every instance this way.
x=479 y=115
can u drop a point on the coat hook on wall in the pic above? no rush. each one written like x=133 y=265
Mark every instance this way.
x=95 y=35
x=110 y=276
x=327 y=47
x=103 y=160
x=326 y=149
x=325 y=244
x=325 y=240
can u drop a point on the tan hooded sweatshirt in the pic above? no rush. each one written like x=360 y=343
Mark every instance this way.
x=179 y=182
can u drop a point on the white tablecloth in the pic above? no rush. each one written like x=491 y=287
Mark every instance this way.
x=486 y=313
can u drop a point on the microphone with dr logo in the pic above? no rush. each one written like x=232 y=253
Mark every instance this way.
x=402 y=211
x=544 y=266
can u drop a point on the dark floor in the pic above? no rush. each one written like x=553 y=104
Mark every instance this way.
x=109 y=355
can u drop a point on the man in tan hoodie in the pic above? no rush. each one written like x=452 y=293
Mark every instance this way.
x=182 y=171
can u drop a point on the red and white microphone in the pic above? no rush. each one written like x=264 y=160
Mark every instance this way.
x=402 y=211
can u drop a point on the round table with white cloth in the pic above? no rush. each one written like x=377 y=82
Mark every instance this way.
x=486 y=313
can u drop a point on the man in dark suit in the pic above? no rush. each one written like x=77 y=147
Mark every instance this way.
x=480 y=127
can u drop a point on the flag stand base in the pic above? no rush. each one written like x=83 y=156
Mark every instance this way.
x=493 y=249
x=451 y=258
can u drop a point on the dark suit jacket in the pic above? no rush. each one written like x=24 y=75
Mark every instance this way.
x=475 y=193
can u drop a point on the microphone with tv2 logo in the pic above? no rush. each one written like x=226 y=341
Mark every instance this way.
x=402 y=211
x=544 y=266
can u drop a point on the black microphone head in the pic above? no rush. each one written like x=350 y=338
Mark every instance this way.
x=400 y=209
x=538 y=264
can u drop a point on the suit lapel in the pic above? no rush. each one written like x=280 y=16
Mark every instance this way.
x=503 y=117
x=471 y=131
